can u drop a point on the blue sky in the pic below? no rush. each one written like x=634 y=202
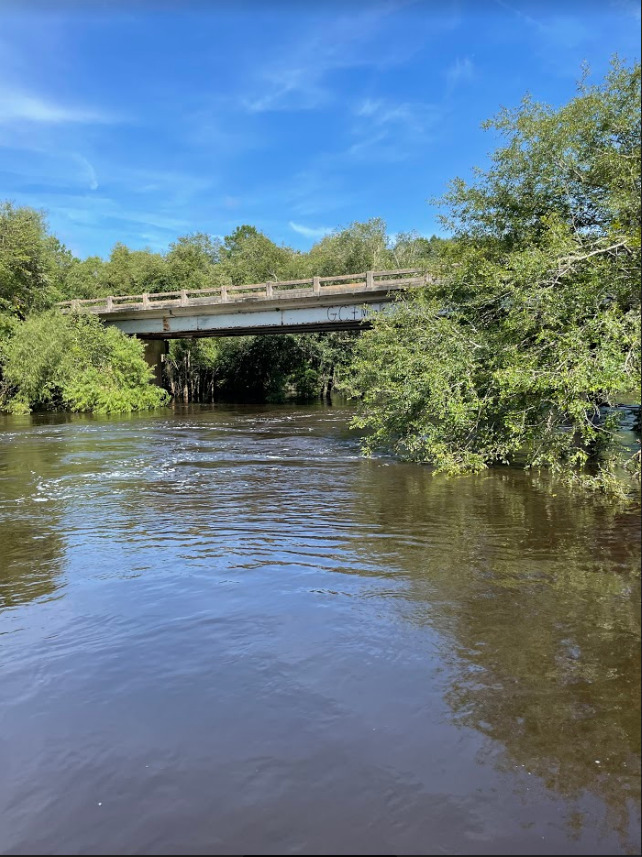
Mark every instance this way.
x=146 y=121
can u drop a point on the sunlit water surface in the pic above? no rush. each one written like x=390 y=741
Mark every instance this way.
x=223 y=631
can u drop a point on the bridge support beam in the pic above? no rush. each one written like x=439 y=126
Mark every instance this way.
x=246 y=320
x=155 y=351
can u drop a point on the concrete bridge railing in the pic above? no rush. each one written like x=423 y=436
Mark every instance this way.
x=368 y=281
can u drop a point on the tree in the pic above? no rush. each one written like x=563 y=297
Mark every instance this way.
x=74 y=362
x=248 y=256
x=131 y=272
x=191 y=369
x=359 y=247
x=262 y=368
x=85 y=278
x=534 y=330
x=29 y=272
x=412 y=250
x=192 y=261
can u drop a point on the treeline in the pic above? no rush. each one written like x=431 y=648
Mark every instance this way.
x=245 y=256
x=37 y=270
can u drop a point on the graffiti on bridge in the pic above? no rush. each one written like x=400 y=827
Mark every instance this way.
x=350 y=313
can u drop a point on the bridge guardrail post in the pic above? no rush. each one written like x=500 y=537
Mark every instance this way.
x=224 y=293
x=269 y=291
x=145 y=300
x=184 y=300
x=316 y=285
x=369 y=279
x=110 y=303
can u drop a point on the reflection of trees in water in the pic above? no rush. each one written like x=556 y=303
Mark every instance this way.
x=39 y=465
x=31 y=544
x=538 y=596
x=30 y=560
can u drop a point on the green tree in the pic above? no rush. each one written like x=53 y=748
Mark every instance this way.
x=131 y=272
x=85 y=278
x=258 y=368
x=412 y=250
x=249 y=256
x=192 y=369
x=74 y=362
x=359 y=247
x=30 y=261
x=534 y=329
x=192 y=261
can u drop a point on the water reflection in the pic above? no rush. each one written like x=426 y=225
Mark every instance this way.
x=537 y=593
x=31 y=542
x=273 y=645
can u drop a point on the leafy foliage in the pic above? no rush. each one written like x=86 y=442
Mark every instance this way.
x=30 y=261
x=191 y=369
x=274 y=368
x=534 y=330
x=74 y=362
x=192 y=261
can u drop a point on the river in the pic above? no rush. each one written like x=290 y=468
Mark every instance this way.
x=224 y=631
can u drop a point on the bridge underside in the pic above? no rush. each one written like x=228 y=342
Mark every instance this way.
x=257 y=331
x=186 y=324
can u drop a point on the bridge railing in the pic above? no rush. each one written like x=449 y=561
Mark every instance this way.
x=367 y=280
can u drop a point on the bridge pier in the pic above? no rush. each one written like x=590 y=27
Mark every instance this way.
x=155 y=351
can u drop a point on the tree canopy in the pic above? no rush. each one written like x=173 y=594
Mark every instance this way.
x=533 y=332
x=74 y=362
x=32 y=262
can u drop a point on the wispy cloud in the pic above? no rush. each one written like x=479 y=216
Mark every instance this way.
x=289 y=89
x=461 y=71
x=389 y=131
x=298 y=82
x=560 y=31
x=52 y=169
x=413 y=116
x=310 y=231
x=27 y=107
x=97 y=210
x=175 y=186
x=314 y=193
x=89 y=173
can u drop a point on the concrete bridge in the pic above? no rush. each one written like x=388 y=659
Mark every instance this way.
x=293 y=306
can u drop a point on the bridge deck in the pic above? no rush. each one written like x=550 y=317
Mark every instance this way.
x=318 y=303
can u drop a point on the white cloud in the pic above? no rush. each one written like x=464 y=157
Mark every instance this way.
x=89 y=173
x=412 y=115
x=98 y=211
x=461 y=71
x=389 y=131
x=24 y=107
x=298 y=81
x=310 y=231
x=560 y=31
x=289 y=89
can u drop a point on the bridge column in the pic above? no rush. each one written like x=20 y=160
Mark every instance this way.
x=155 y=351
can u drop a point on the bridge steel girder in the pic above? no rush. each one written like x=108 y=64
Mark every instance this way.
x=185 y=323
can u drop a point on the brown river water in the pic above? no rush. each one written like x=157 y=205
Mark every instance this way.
x=223 y=631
